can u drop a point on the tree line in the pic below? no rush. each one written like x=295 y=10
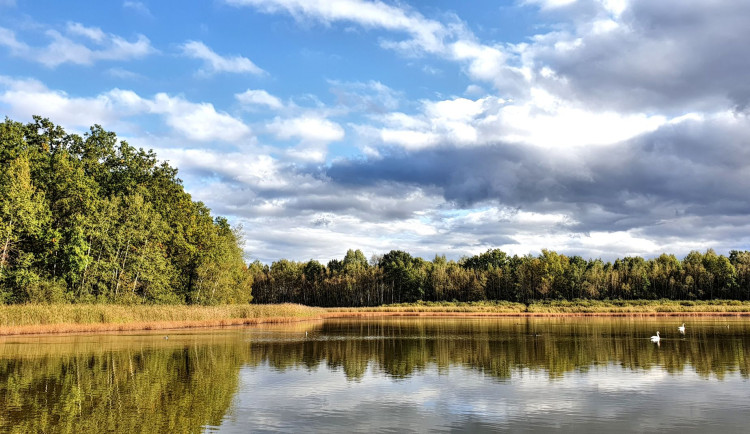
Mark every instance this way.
x=398 y=277
x=93 y=219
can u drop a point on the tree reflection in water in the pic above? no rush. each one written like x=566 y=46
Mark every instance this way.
x=495 y=347
x=116 y=383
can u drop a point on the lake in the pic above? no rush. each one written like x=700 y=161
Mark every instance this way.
x=386 y=374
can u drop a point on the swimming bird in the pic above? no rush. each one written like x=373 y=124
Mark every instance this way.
x=681 y=328
x=655 y=338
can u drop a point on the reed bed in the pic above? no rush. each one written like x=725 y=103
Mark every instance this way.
x=639 y=307
x=65 y=318
x=439 y=307
x=555 y=307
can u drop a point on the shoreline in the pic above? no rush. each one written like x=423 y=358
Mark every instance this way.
x=303 y=313
x=70 y=328
x=530 y=314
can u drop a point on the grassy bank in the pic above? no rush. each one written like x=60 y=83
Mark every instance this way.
x=63 y=318
x=66 y=318
x=439 y=307
x=639 y=306
x=557 y=307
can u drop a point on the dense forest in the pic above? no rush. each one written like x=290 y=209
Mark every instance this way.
x=93 y=219
x=398 y=277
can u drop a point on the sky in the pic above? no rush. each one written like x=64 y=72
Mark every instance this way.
x=600 y=128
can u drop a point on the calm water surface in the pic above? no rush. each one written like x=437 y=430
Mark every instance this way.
x=509 y=374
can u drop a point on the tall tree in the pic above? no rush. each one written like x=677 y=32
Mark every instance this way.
x=24 y=217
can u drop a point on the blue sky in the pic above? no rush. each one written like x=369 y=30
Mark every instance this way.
x=603 y=128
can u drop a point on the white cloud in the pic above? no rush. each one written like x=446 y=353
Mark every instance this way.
x=460 y=109
x=548 y=121
x=404 y=121
x=550 y=4
x=124 y=74
x=307 y=128
x=198 y=121
x=409 y=139
x=64 y=49
x=327 y=235
x=451 y=122
x=543 y=120
x=8 y=38
x=426 y=33
x=474 y=90
x=629 y=57
x=615 y=7
x=94 y=33
x=312 y=153
x=26 y=98
x=195 y=121
x=454 y=41
x=139 y=7
x=371 y=96
x=249 y=170
x=486 y=63
x=215 y=63
x=259 y=97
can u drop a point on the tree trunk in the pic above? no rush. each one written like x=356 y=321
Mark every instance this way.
x=4 y=255
x=83 y=274
x=122 y=268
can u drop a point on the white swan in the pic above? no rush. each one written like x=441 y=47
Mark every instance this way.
x=681 y=328
x=655 y=338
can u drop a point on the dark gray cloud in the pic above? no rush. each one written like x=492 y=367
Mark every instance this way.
x=665 y=55
x=302 y=191
x=686 y=181
x=465 y=176
x=691 y=169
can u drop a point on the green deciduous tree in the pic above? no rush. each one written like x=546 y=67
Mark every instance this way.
x=94 y=219
x=24 y=217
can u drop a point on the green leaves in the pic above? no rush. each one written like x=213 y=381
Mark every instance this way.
x=94 y=219
x=398 y=277
x=23 y=218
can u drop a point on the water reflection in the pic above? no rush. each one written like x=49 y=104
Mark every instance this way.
x=116 y=383
x=484 y=375
x=398 y=374
x=400 y=348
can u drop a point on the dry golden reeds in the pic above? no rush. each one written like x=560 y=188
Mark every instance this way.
x=65 y=318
